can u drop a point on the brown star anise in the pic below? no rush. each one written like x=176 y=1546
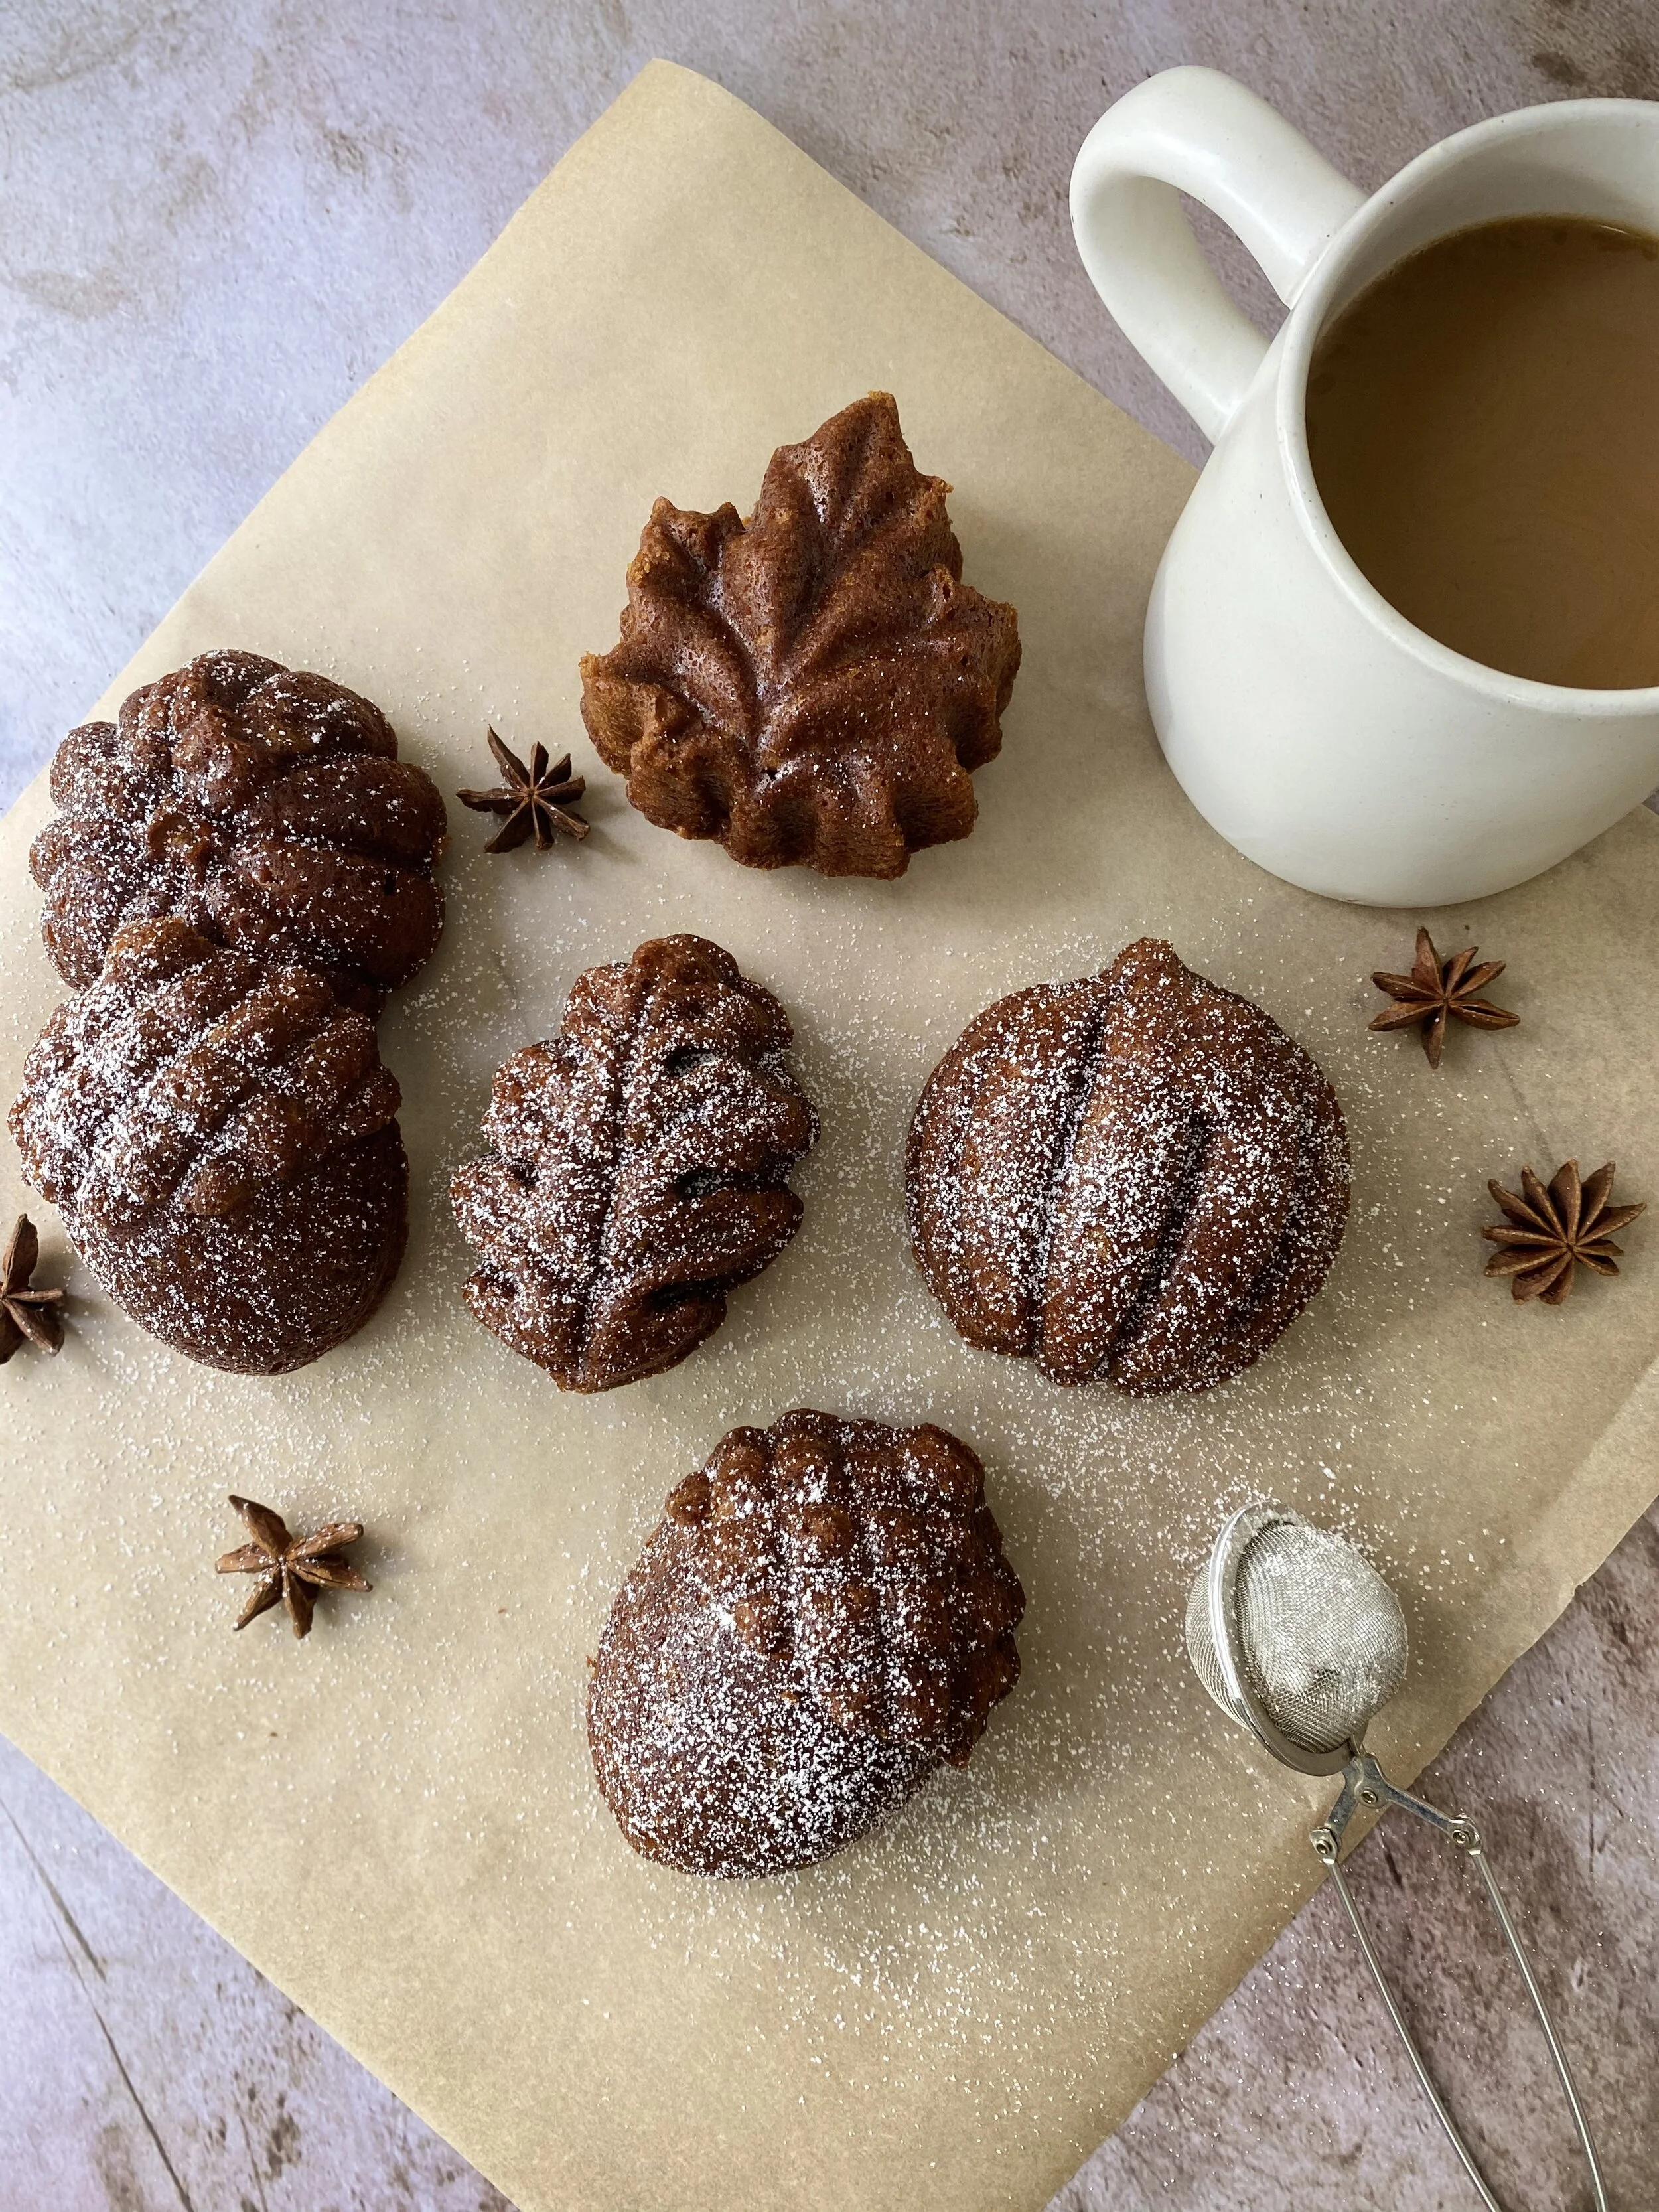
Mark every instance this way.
x=1437 y=989
x=535 y=798
x=1552 y=1233
x=290 y=1566
x=25 y=1312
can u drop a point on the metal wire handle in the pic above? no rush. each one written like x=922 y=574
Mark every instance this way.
x=1364 y=1784
x=1224 y=1667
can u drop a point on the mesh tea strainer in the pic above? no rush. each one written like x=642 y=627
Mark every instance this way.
x=1299 y=1638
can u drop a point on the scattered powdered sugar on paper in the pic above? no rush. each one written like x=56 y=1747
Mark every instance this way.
x=436 y=1727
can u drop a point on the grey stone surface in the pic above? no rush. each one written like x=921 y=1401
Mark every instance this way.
x=1298 y=2090
x=144 y=2065
x=216 y=219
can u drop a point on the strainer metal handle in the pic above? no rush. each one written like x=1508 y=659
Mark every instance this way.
x=1366 y=1785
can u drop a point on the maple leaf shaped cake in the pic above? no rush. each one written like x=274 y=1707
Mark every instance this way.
x=822 y=1619
x=218 y=1136
x=638 y=1167
x=265 y=806
x=813 y=687
x=1137 y=1175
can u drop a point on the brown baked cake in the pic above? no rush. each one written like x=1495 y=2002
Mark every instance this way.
x=815 y=685
x=822 y=1616
x=1137 y=1175
x=638 y=1167
x=266 y=808
x=218 y=1137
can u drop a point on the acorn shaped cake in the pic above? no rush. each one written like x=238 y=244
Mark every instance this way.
x=265 y=806
x=218 y=1136
x=822 y=1618
x=638 y=1167
x=1137 y=1177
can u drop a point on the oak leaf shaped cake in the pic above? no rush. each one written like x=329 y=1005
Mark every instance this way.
x=1138 y=1177
x=218 y=1135
x=637 y=1169
x=264 y=805
x=822 y=1618
x=816 y=685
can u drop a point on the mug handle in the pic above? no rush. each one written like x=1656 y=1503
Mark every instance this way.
x=1194 y=130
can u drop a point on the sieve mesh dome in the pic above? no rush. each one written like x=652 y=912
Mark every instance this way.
x=1322 y=1634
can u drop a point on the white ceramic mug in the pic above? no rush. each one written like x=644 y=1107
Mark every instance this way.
x=1319 y=731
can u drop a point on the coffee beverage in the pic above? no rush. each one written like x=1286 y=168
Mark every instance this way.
x=1483 y=421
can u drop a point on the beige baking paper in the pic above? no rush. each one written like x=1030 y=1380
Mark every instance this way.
x=396 y=1819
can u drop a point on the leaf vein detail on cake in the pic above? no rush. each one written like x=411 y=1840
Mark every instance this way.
x=637 y=1169
x=814 y=686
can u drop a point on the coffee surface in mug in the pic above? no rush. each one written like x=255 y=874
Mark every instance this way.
x=1483 y=421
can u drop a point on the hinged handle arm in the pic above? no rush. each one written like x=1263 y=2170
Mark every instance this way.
x=1364 y=1784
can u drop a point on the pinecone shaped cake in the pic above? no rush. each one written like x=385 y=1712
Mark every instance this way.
x=265 y=806
x=1137 y=1175
x=816 y=685
x=638 y=1167
x=821 y=1619
x=218 y=1135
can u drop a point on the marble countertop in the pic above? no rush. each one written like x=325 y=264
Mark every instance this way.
x=216 y=221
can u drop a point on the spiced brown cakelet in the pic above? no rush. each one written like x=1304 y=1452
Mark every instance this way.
x=638 y=1166
x=265 y=806
x=822 y=1618
x=1136 y=1177
x=814 y=686
x=218 y=1136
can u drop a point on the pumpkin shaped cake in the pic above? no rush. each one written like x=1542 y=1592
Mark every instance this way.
x=1137 y=1177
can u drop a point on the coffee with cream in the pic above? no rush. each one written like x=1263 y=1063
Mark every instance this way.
x=1483 y=421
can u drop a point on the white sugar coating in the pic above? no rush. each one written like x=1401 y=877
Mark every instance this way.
x=219 y=1137
x=1140 y=1176
x=824 y=1615
x=264 y=805
x=432 y=1733
x=733 y=1779
x=637 y=1168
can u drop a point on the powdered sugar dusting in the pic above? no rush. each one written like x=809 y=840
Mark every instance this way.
x=264 y=805
x=219 y=1138
x=638 y=1168
x=1140 y=1176
x=986 y=1943
x=824 y=1615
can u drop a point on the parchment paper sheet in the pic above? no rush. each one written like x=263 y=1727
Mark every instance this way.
x=396 y=1819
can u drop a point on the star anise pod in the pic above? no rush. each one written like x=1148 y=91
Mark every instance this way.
x=290 y=1567
x=1437 y=990
x=25 y=1312
x=538 y=799
x=1552 y=1233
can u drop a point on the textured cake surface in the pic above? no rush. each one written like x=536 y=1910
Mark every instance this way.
x=815 y=685
x=822 y=1617
x=1137 y=1175
x=637 y=1168
x=264 y=805
x=219 y=1137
